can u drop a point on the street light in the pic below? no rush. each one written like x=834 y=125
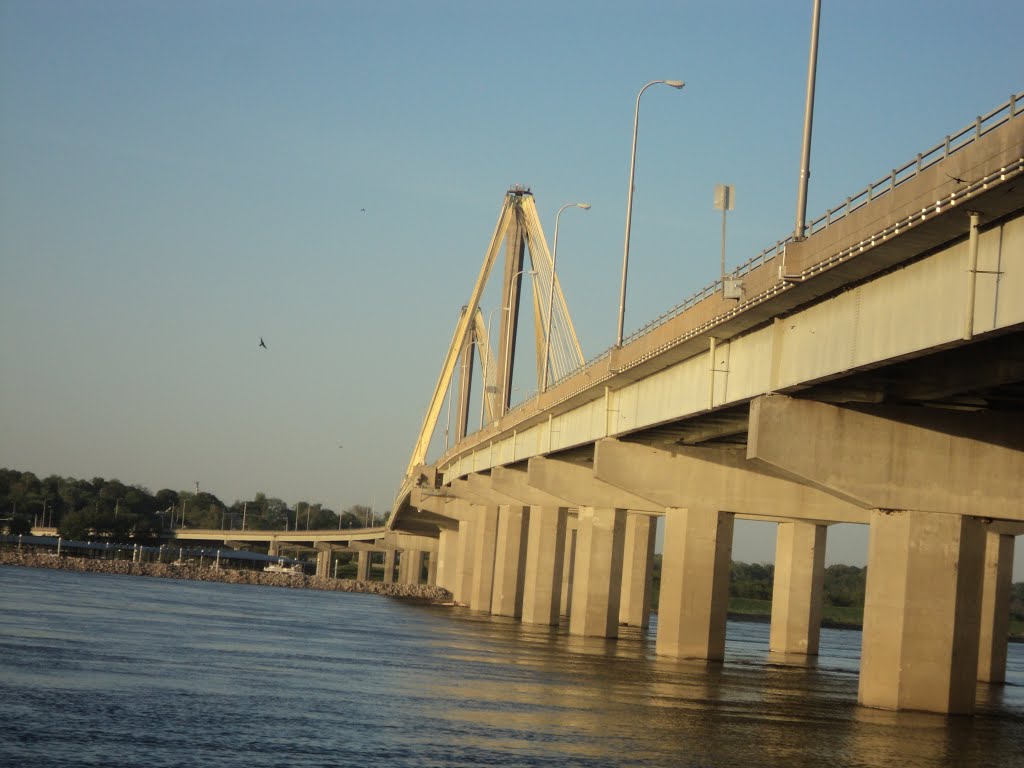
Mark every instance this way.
x=677 y=84
x=551 y=291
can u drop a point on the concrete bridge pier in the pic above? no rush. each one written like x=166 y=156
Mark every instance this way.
x=538 y=561
x=691 y=484
x=545 y=558
x=465 y=558
x=568 y=566
x=597 y=576
x=922 y=612
x=323 y=560
x=798 y=592
x=694 y=602
x=638 y=569
x=363 y=566
x=486 y=535
x=510 y=560
x=412 y=560
x=447 y=559
x=995 y=618
x=432 y=569
x=389 y=566
x=923 y=607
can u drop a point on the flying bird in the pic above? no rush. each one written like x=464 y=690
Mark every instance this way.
x=957 y=179
x=262 y=344
x=362 y=210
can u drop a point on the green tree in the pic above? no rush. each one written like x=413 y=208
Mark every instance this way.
x=75 y=525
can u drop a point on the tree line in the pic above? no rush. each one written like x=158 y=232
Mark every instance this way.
x=111 y=510
x=843 y=585
x=114 y=511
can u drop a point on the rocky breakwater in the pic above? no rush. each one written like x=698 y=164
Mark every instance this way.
x=421 y=592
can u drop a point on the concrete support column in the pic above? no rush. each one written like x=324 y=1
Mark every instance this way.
x=273 y=548
x=597 y=581
x=638 y=570
x=483 y=559
x=464 y=562
x=363 y=566
x=694 y=603
x=413 y=561
x=447 y=559
x=323 y=563
x=995 y=615
x=798 y=590
x=510 y=561
x=568 y=566
x=432 y=569
x=545 y=556
x=403 y=566
x=922 y=612
x=389 y=566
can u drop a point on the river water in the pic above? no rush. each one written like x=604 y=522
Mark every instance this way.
x=102 y=670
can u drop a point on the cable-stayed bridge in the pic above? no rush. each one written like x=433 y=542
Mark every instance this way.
x=870 y=371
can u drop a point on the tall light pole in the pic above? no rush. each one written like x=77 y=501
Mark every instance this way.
x=805 y=152
x=677 y=84
x=551 y=292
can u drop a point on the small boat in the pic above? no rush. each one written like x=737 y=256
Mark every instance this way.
x=281 y=567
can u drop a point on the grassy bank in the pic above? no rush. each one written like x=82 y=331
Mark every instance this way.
x=832 y=615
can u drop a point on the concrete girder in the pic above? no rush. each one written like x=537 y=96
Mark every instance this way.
x=322 y=546
x=1006 y=529
x=483 y=486
x=427 y=524
x=896 y=458
x=437 y=508
x=718 y=478
x=515 y=483
x=577 y=482
x=407 y=541
x=428 y=501
x=362 y=546
x=474 y=495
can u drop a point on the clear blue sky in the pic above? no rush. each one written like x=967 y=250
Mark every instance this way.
x=179 y=178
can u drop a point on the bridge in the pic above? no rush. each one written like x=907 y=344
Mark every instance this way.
x=412 y=554
x=868 y=371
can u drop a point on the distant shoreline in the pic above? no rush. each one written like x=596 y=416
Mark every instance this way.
x=192 y=572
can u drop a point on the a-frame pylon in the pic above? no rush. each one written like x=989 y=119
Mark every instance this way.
x=520 y=229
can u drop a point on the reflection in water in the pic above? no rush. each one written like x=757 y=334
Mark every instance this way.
x=104 y=669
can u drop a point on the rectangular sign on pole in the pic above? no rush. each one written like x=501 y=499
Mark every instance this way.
x=724 y=197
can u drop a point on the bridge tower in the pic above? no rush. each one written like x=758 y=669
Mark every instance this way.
x=520 y=231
